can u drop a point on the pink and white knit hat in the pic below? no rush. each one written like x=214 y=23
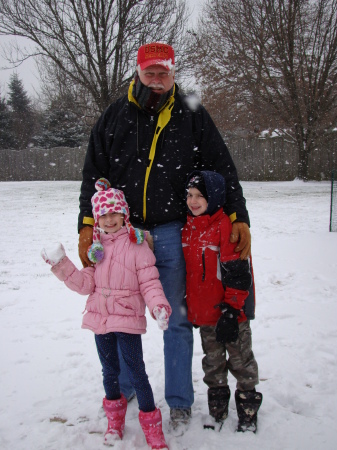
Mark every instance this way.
x=110 y=200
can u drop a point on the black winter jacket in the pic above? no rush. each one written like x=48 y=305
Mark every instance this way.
x=119 y=149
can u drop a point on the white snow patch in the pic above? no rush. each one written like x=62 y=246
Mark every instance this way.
x=51 y=383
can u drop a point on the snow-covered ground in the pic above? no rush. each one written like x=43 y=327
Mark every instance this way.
x=50 y=377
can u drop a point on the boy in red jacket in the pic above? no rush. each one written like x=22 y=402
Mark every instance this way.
x=217 y=288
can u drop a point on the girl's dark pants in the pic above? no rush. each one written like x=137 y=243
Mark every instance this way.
x=132 y=353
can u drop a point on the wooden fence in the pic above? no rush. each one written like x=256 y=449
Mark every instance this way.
x=37 y=164
x=276 y=159
x=272 y=159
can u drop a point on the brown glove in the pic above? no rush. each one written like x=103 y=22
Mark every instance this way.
x=84 y=241
x=241 y=234
x=149 y=240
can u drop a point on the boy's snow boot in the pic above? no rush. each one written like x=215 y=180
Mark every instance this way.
x=115 y=411
x=247 y=406
x=218 y=399
x=151 y=423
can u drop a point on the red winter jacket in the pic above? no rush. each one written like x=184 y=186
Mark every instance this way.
x=206 y=244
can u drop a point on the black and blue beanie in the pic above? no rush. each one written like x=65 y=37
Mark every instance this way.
x=212 y=186
x=198 y=182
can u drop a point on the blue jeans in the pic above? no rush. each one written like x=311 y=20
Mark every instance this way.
x=178 y=339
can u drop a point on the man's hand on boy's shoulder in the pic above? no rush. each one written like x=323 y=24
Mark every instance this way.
x=241 y=235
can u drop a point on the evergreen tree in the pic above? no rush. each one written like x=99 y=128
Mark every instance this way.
x=6 y=138
x=18 y=97
x=21 y=111
x=61 y=126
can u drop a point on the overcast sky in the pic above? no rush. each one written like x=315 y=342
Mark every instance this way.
x=27 y=71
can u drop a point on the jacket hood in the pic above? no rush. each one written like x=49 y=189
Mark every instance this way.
x=215 y=187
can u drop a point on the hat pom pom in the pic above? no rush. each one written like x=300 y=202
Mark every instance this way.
x=137 y=236
x=96 y=252
x=102 y=184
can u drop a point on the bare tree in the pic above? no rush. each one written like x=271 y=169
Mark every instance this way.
x=275 y=61
x=56 y=86
x=93 y=43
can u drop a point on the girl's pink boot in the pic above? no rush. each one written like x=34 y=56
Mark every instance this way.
x=151 y=424
x=115 y=411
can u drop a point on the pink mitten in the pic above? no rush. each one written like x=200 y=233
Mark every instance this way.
x=162 y=317
x=53 y=255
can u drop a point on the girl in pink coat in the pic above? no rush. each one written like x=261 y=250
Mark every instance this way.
x=121 y=283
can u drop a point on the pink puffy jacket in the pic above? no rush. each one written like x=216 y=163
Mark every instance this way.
x=117 y=286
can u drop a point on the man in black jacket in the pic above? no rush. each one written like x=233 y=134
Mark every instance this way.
x=146 y=144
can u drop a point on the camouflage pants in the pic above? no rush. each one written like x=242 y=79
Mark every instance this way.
x=241 y=361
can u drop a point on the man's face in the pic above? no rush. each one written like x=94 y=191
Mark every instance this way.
x=158 y=78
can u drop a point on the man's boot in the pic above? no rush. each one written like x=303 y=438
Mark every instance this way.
x=247 y=406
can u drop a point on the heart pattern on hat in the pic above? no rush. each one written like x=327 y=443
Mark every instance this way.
x=109 y=200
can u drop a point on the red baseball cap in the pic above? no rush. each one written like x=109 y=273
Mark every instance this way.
x=155 y=53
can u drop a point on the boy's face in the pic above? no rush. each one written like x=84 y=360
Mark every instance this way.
x=111 y=222
x=196 y=202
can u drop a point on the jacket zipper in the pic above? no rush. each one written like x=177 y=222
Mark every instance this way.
x=203 y=265
x=163 y=119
